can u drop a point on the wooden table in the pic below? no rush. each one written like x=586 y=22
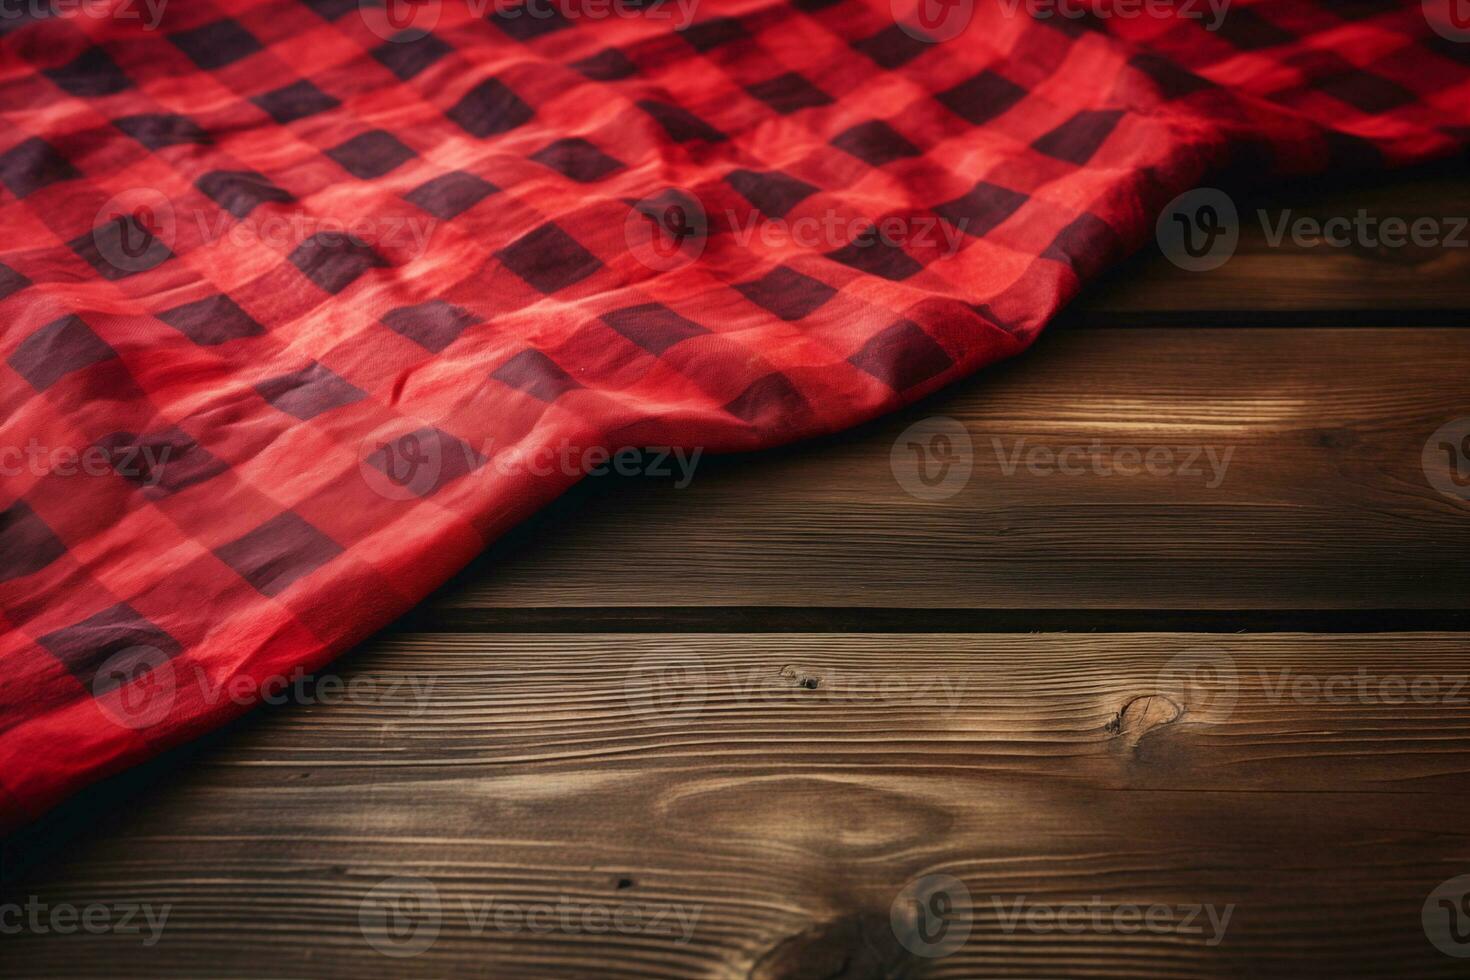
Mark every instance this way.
x=767 y=709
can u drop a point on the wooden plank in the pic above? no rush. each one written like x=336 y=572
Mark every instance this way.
x=780 y=791
x=1323 y=502
x=1291 y=275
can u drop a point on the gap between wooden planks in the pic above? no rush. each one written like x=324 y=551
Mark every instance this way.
x=784 y=789
x=793 y=819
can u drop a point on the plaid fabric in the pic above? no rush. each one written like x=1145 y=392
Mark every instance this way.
x=300 y=433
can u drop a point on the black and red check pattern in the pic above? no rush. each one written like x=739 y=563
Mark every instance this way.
x=256 y=397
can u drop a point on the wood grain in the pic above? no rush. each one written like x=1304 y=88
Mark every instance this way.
x=1324 y=503
x=1264 y=278
x=781 y=790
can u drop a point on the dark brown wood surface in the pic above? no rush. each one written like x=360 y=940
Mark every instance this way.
x=781 y=789
x=1322 y=501
x=761 y=706
x=1365 y=281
